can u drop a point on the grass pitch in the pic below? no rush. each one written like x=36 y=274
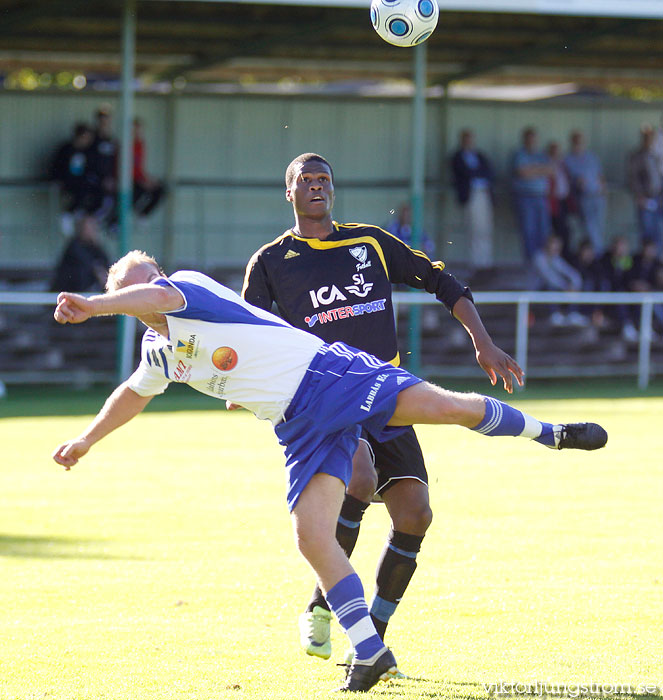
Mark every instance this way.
x=163 y=565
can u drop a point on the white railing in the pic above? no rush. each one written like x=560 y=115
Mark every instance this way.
x=523 y=301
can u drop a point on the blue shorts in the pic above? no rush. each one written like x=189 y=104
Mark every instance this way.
x=343 y=389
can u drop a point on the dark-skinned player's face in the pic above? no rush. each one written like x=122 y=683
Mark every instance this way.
x=312 y=190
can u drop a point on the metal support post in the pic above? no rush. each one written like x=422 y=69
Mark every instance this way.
x=125 y=189
x=417 y=191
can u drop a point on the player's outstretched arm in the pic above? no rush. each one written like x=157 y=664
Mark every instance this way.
x=492 y=360
x=120 y=407
x=136 y=300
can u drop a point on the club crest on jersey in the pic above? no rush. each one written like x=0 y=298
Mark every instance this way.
x=360 y=253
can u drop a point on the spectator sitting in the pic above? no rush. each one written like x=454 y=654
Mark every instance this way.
x=646 y=275
x=617 y=265
x=401 y=227
x=70 y=170
x=591 y=270
x=147 y=191
x=84 y=264
x=473 y=180
x=558 y=198
x=556 y=274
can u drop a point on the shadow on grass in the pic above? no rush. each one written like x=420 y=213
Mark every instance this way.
x=29 y=401
x=34 y=547
x=24 y=402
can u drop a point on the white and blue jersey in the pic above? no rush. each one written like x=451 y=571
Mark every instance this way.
x=315 y=394
x=222 y=346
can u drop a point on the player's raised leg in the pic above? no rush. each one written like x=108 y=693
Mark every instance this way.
x=426 y=403
x=314 y=519
x=315 y=622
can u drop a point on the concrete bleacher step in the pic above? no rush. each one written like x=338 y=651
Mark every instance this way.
x=33 y=358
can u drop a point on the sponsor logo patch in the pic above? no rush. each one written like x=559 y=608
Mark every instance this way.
x=217 y=384
x=290 y=254
x=188 y=347
x=373 y=392
x=182 y=372
x=323 y=296
x=360 y=288
x=341 y=312
x=224 y=358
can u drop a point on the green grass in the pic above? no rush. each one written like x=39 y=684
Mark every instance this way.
x=163 y=565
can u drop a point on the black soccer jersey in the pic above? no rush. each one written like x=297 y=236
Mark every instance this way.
x=339 y=288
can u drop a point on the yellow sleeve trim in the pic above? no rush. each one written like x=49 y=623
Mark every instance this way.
x=318 y=244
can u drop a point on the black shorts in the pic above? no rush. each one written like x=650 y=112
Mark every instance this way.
x=399 y=458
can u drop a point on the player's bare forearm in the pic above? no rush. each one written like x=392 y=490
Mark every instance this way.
x=120 y=407
x=490 y=358
x=465 y=312
x=136 y=300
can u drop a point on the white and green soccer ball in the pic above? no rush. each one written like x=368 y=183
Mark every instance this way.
x=404 y=22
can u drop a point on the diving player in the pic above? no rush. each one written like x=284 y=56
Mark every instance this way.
x=316 y=395
x=335 y=280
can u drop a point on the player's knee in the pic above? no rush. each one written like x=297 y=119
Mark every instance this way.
x=364 y=481
x=311 y=542
x=415 y=519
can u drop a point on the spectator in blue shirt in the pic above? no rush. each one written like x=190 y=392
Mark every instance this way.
x=531 y=173
x=587 y=189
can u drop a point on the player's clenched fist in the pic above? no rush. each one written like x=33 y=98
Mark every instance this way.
x=70 y=452
x=72 y=308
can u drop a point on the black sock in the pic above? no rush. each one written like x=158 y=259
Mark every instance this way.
x=347 y=532
x=395 y=569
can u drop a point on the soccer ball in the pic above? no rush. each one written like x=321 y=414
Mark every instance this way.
x=404 y=22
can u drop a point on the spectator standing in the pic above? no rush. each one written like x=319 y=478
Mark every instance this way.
x=473 y=179
x=558 y=198
x=531 y=171
x=71 y=171
x=646 y=184
x=103 y=156
x=657 y=145
x=147 y=190
x=84 y=264
x=587 y=189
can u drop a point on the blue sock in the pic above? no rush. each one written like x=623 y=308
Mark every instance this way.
x=347 y=602
x=502 y=419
